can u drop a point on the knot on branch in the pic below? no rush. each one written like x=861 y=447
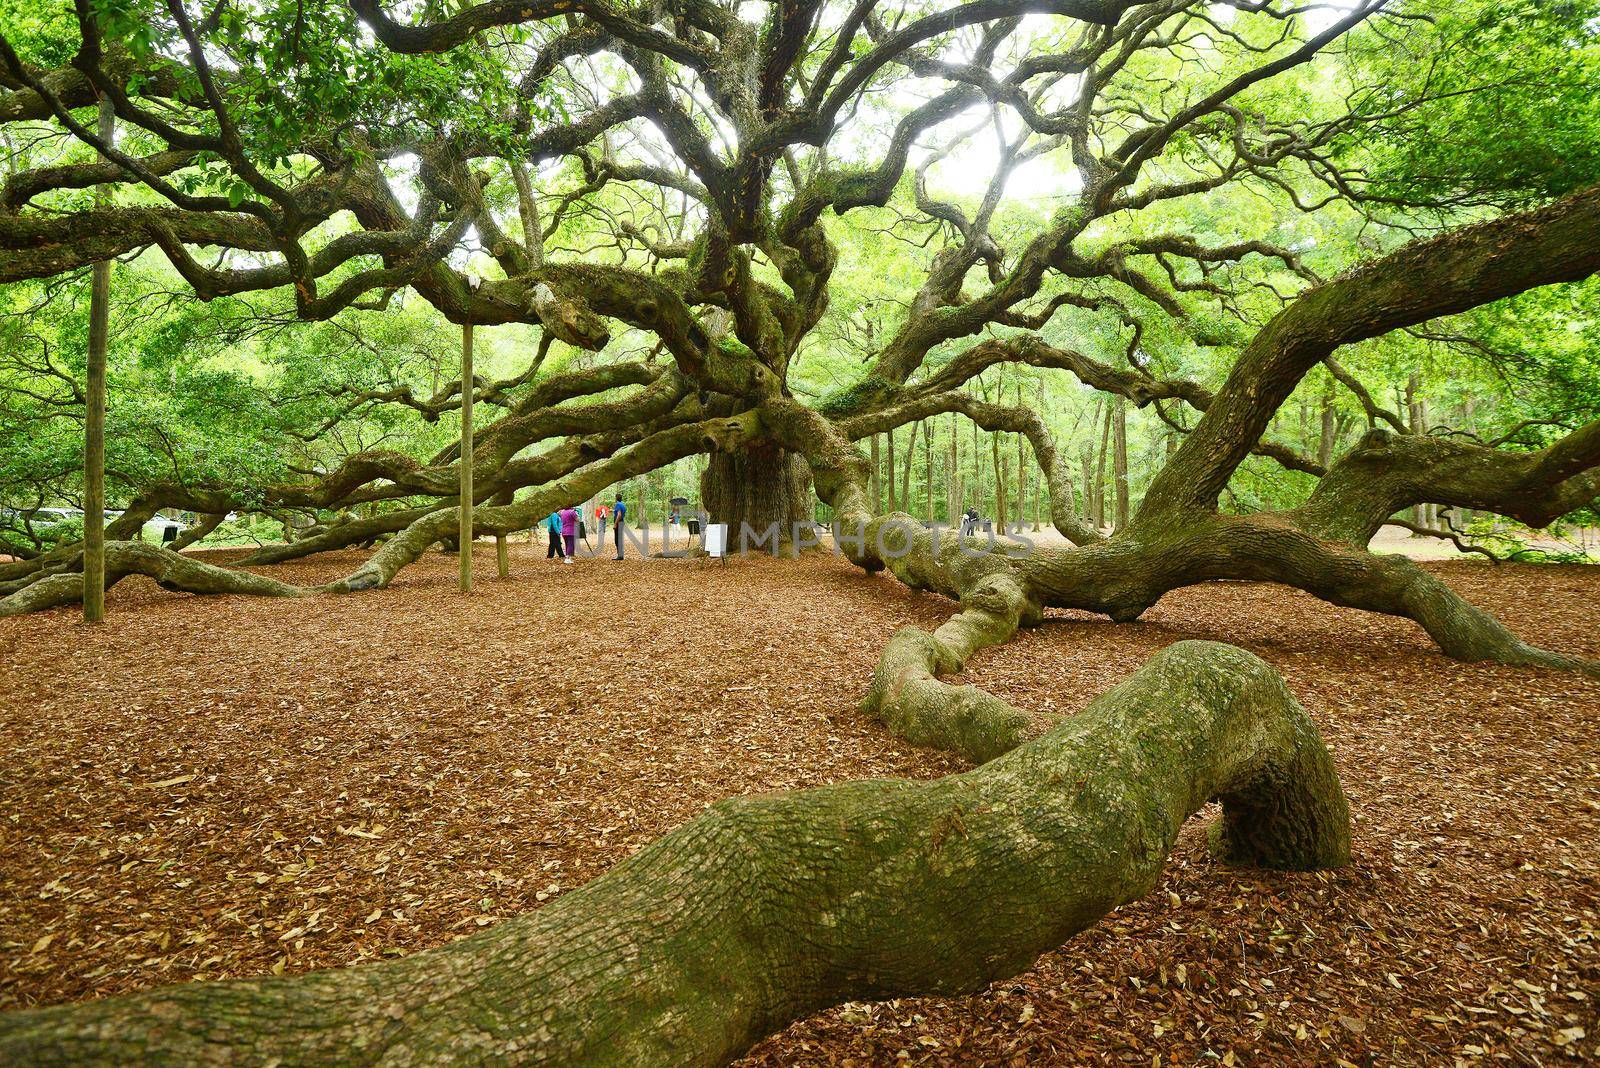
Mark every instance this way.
x=568 y=319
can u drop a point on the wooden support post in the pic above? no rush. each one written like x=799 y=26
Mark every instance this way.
x=464 y=542
x=94 y=422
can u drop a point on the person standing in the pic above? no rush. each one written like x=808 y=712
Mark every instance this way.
x=552 y=526
x=600 y=520
x=569 y=531
x=619 y=512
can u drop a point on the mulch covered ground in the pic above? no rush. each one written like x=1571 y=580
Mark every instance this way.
x=217 y=787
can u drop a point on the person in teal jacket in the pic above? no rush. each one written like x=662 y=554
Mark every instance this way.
x=552 y=527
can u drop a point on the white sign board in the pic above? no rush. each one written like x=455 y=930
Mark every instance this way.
x=716 y=539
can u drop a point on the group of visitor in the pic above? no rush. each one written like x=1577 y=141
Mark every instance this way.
x=565 y=527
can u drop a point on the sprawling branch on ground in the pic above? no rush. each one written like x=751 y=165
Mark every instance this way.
x=877 y=889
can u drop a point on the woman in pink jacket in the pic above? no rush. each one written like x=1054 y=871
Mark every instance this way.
x=569 y=531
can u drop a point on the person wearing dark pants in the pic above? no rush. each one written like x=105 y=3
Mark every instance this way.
x=552 y=527
x=618 y=512
x=569 y=531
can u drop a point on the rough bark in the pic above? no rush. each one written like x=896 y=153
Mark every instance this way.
x=760 y=487
x=906 y=693
x=783 y=905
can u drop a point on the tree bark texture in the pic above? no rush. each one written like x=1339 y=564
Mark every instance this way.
x=759 y=486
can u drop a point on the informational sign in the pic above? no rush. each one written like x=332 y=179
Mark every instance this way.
x=716 y=539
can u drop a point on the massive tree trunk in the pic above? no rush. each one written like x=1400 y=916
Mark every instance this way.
x=761 y=486
x=770 y=908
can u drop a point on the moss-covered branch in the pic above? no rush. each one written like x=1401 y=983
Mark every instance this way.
x=770 y=908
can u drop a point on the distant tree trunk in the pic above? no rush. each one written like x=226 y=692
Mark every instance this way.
x=1330 y=432
x=94 y=422
x=1022 y=471
x=1119 y=426
x=977 y=467
x=1038 y=483
x=1000 y=481
x=1100 y=472
x=464 y=535
x=927 y=470
x=1469 y=408
x=1417 y=413
x=1086 y=459
x=911 y=455
x=877 y=478
x=953 y=488
x=889 y=469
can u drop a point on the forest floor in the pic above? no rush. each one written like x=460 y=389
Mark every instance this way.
x=216 y=787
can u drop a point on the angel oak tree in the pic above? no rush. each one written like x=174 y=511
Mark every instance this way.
x=736 y=137
x=675 y=172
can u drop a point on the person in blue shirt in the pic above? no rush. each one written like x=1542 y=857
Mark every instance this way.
x=552 y=527
x=618 y=511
